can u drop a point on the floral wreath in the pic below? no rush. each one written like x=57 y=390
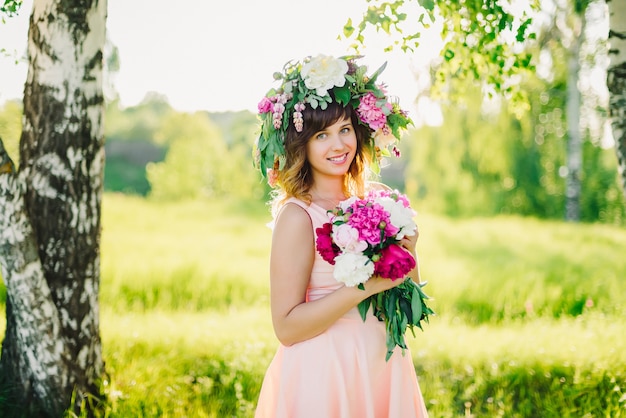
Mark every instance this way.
x=307 y=84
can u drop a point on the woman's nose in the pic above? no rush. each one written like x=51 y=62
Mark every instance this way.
x=337 y=143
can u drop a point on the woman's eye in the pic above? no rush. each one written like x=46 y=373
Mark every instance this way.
x=320 y=136
x=345 y=130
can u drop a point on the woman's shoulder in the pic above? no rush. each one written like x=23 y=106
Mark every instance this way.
x=294 y=209
x=296 y=201
x=293 y=216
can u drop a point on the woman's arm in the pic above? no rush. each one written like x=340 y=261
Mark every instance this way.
x=291 y=262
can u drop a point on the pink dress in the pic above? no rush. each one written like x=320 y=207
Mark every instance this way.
x=341 y=373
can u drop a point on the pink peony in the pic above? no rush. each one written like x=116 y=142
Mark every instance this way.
x=393 y=194
x=347 y=239
x=372 y=222
x=325 y=246
x=394 y=263
x=370 y=114
x=265 y=105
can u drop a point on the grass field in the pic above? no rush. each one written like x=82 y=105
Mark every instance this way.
x=530 y=317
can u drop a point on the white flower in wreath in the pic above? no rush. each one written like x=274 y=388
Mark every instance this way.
x=383 y=138
x=323 y=73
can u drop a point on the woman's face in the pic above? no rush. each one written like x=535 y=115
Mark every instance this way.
x=331 y=150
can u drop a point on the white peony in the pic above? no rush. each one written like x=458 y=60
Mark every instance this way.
x=352 y=269
x=399 y=216
x=323 y=73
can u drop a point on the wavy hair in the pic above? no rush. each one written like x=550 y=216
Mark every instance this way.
x=296 y=179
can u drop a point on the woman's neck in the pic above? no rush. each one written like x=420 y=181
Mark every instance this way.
x=327 y=195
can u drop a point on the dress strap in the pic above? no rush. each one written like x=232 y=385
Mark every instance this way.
x=298 y=202
x=293 y=200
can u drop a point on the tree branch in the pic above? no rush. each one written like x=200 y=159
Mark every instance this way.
x=616 y=34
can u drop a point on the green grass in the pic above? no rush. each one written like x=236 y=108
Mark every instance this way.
x=194 y=256
x=530 y=317
x=198 y=256
x=211 y=364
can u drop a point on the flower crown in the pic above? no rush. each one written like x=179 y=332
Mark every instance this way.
x=307 y=85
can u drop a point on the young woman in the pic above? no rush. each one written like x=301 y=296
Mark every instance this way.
x=322 y=130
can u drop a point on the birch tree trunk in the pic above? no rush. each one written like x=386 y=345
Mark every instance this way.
x=573 y=179
x=50 y=217
x=616 y=82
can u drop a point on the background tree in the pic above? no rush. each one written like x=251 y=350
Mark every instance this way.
x=208 y=156
x=485 y=160
x=567 y=50
x=616 y=81
x=131 y=143
x=50 y=217
x=484 y=41
x=9 y=8
x=194 y=162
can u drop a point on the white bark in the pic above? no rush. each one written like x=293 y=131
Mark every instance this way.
x=574 y=140
x=616 y=81
x=50 y=212
x=35 y=315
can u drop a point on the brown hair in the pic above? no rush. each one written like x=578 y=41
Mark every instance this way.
x=295 y=180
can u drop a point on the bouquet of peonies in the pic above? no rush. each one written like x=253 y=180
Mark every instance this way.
x=362 y=240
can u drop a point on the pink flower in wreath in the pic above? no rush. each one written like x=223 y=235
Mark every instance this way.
x=370 y=114
x=265 y=105
x=272 y=177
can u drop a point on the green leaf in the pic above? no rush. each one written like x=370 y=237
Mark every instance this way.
x=427 y=4
x=342 y=95
x=416 y=305
x=348 y=29
x=377 y=73
x=380 y=300
x=363 y=307
x=391 y=304
x=403 y=323
x=385 y=24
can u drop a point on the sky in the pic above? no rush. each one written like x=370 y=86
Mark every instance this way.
x=220 y=56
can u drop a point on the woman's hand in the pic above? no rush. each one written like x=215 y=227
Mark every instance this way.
x=409 y=242
x=377 y=284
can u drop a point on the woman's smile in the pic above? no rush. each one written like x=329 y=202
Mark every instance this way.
x=340 y=159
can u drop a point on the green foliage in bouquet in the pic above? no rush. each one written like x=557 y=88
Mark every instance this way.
x=400 y=308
